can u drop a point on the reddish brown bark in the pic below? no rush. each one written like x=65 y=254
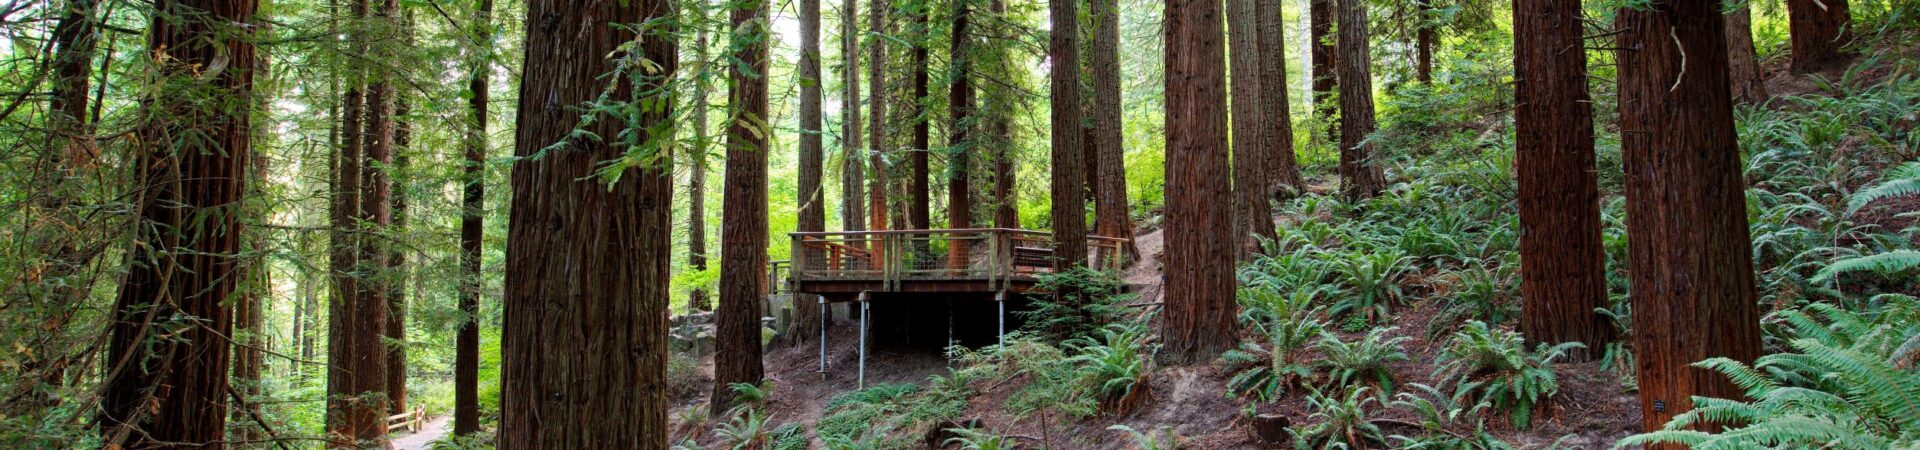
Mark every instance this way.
x=1360 y=177
x=1199 y=320
x=1821 y=30
x=1689 y=253
x=466 y=361
x=1424 y=39
x=877 y=207
x=356 y=381
x=1069 y=177
x=743 y=261
x=919 y=211
x=1110 y=214
x=805 y=326
x=1562 y=265
x=1749 y=85
x=396 y=268
x=1278 y=136
x=853 y=183
x=1325 y=78
x=584 y=348
x=164 y=388
x=698 y=298
x=960 y=159
x=1252 y=216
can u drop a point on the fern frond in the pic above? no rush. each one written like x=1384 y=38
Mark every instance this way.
x=1888 y=263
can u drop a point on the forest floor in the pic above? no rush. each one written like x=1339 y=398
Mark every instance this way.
x=436 y=429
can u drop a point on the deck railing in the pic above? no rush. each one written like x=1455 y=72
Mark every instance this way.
x=895 y=256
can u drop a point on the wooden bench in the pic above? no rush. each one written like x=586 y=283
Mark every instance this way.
x=1032 y=259
x=412 y=421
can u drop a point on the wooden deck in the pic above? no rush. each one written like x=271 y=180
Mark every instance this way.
x=992 y=261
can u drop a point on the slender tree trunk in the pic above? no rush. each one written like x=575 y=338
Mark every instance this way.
x=960 y=111
x=1326 y=80
x=876 y=101
x=743 y=261
x=249 y=329
x=1360 y=177
x=805 y=326
x=1749 y=86
x=75 y=38
x=1821 y=30
x=365 y=328
x=1285 y=172
x=71 y=155
x=1253 y=217
x=1689 y=253
x=1199 y=320
x=584 y=352
x=698 y=299
x=1069 y=174
x=1110 y=193
x=1004 y=214
x=919 y=213
x=397 y=268
x=466 y=361
x=1562 y=264
x=1424 y=39
x=163 y=387
x=853 y=170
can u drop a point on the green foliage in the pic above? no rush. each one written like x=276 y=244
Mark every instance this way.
x=1089 y=300
x=1479 y=291
x=1899 y=181
x=1114 y=366
x=1493 y=367
x=1342 y=422
x=971 y=439
x=1364 y=361
x=1289 y=323
x=1163 y=438
x=747 y=431
x=1846 y=383
x=1372 y=284
x=1890 y=264
x=1440 y=414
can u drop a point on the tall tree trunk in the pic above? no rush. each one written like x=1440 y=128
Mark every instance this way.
x=1069 y=174
x=805 y=326
x=698 y=299
x=466 y=360
x=1749 y=86
x=960 y=160
x=1004 y=214
x=396 y=267
x=1689 y=254
x=1360 y=178
x=743 y=261
x=1253 y=217
x=71 y=155
x=853 y=170
x=1821 y=29
x=1562 y=265
x=171 y=389
x=1110 y=194
x=348 y=420
x=876 y=101
x=75 y=38
x=584 y=348
x=1424 y=39
x=919 y=213
x=1285 y=172
x=1326 y=80
x=1199 y=320
x=365 y=327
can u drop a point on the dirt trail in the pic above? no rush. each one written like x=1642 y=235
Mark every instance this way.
x=435 y=430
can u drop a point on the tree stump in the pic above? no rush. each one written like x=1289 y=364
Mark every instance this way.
x=1273 y=429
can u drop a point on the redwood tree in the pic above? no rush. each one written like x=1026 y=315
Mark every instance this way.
x=1820 y=31
x=813 y=199
x=1689 y=253
x=877 y=207
x=697 y=298
x=356 y=381
x=919 y=212
x=1252 y=216
x=1110 y=214
x=853 y=183
x=960 y=159
x=743 y=261
x=1359 y=177
x=1749 y=86
x=1562 y=265
x=1322 y=55
x=466 y=362
x=1199 y=320
x=166 y=388
x=1069 y=177
x=584 y=346
x=1278 y=135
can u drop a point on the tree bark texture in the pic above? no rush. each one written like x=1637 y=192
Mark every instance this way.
x=1326 y=80
x=1110 y=214
x=1819 y=33
x=1562 y=264
x=1253 y=216
x=396 y=268
x=1424 y=39
x=1749 y=84
x=805 y=326
x=743 y=261
x=1360 y=178
x=585 y=344
x=1284 y=171
x=877 y=208
x=165 y=388
x=351 y=330
x=698 y=298
x=466 y=360
x=1199 y=320
x=853 y=169
x=960 y=159
x=1689 y=253
x=1069 y=173
x=919 y=212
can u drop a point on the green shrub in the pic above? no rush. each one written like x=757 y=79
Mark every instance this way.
x=1372 y=284
x=1493 y=366
x=1089 y=300
x=1439 y=415
x=1114 y=367
x=1287 y=324
x=1342 y=422
x=1362 y=362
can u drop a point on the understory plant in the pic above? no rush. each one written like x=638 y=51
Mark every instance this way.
x=1363 y=361
x=1341 y=422
x=1287 y=324
x=1439 y=415
x=1114 y=366
x=1087 y=301
x=1371 y=283
x=1493 y=366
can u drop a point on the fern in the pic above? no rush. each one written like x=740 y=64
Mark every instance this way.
x=1363 y=361
x=1888 y=264
x=1114 y=366
x=1494 y=367
x=1440 y=414
x=1163 y=438
x=1900 y=181
x=1343 y=422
